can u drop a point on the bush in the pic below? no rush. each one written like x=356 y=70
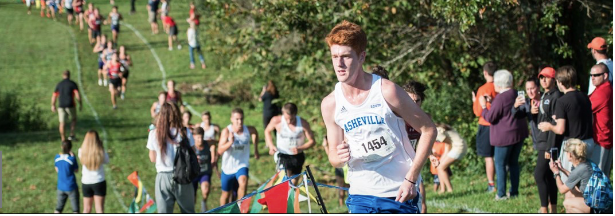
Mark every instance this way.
x=16 y=116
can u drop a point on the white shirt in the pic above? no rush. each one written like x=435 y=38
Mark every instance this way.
x=192 y=38
x=609 y=64
x=238 y=155
x=93 y=176
x=152 y=144
x=287 y=139
x=210 y=134
x=376 y=136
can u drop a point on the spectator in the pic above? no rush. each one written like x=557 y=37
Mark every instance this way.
x=174 y=96
x=456 y=149
x=194 y=15
x=93 y=156
x=545 y=141
x=186 y=116
x=380 y=71
x=270 y=109
x=152 y=14
x=437 y=151
x=598 y=49
x=155 y=109
x=67 y=91
x=524 y=105
x=573 y=187
x=171 y=29
x=194 y=45
x=573 y=114
x=66 y=166
x=483 y=144
x=162 y=144
x=506 y=134
x=602 y=110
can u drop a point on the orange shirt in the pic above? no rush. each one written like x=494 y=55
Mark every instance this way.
x=437 y=151
x=489 y=89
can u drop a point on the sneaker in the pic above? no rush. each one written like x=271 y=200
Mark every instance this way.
x=491 y=189
x=114 y=106
x=170 y=48
x=72 y=138
x=497 y=198
x=105 y=82
x=100 y=82
x=122 y=96
x=179 y=46
x=191 y=66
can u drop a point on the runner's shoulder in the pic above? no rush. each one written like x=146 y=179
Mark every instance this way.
x=328 y=103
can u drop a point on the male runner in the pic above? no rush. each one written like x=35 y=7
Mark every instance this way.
x=114 y=18
x=234 y=146
x=115 y=77
x=370 y=113
x=292 y=132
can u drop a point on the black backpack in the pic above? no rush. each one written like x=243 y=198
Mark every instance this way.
x=186 y=166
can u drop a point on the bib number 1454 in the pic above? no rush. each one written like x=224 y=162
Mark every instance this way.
x=374 y=145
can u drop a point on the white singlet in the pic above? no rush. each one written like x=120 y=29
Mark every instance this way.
x=238 y=155
x=376 y=136
x=287 y=139
x=209 y=133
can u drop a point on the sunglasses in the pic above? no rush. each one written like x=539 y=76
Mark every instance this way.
x=596 y=75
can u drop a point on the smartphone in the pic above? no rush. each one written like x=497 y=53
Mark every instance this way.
x=554 y=153
x=521 y=94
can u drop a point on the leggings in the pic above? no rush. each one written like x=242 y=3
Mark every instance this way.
x=547 y=188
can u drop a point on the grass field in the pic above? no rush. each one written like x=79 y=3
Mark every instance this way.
x=33 y=53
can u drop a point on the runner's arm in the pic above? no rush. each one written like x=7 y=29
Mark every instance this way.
x=309 y=135
x=402 y=105
x=270 y=127
x=254 y=135
x=335 y=134
x=224 y=143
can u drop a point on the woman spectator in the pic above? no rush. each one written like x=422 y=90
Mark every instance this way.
x=576 y=151
x=456 y=148
x=506 y=134
x=186 y=116
x=162 y=144
x=93 y=156
x=270 y=109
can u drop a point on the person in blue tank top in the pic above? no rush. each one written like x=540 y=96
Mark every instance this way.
x=66 y=166
x=370 y=113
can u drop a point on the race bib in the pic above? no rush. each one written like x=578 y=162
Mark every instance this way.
x=374 y=148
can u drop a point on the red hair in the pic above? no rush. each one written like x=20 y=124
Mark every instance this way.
x=348 y=34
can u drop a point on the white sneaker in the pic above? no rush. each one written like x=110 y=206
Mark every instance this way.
x=122 y=96
x=179 y=46
x=105 y=82
x=99 y=82
x=170 y=48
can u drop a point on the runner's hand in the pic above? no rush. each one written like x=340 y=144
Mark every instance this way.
x=343 y=152
x=272 y=150
x=406 y=192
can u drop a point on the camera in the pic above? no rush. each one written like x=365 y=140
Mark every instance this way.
x=521 y=94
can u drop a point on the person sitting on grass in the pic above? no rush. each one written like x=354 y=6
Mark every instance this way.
x=66 y=166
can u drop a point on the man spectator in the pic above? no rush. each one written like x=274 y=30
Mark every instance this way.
x=543 y=112
x=152 y=14
x=573 y=116
x=602 y=110
x=523 y=106
x=67 y=91
x=483 y=145
x=598 y=49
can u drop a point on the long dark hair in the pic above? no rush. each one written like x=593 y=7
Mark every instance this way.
x=271 y=88
x=168 y=118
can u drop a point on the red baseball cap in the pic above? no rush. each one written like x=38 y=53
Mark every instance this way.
x=597 y=43
x=547 y=72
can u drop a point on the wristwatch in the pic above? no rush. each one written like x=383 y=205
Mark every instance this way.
x=555 y=175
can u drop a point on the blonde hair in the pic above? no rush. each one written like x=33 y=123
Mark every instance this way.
x=577 y=148
x=92 y=151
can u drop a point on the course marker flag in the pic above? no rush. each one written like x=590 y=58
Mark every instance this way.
x=142 y=203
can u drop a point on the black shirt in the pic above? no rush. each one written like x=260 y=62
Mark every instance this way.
x=153 y=5
x=269 y=108
x=66 y=89
x=547 y=140
x=576 y=108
